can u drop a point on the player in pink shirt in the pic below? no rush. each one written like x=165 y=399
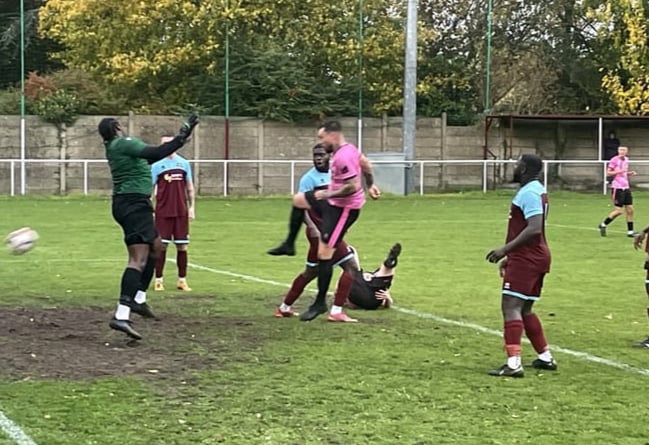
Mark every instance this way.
x=618 y=168
x=340 y=207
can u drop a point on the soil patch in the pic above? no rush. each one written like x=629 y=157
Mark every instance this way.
x=76 y=343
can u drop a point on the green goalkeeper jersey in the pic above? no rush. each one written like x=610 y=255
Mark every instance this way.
x=130 y=172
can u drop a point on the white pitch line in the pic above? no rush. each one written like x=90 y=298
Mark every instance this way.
x=14 y=432
x=476 y=327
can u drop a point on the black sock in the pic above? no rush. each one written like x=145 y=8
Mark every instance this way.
x=325 y=271
x=629 y=226
x=147 y=273
x=607 y=221
x=294 y=223
x=130 y=283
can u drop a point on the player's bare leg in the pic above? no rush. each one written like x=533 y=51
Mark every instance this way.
x=390 y=262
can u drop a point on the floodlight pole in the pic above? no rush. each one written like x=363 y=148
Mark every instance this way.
x=22 y=98
x=360 y=76
x=487 y=98
x=226 y=132
x=410 y=93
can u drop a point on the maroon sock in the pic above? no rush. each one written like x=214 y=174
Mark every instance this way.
x=299 y=283
x=345 y=283
x=160 y=264
x=534 y=332
x=181 y=260
x=513 y=335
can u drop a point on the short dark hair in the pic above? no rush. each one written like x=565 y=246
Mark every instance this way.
x=533 y=164
x=317 y=147
x=332 y=126
x=107 y=128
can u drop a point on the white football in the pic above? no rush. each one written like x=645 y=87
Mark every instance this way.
x=21 y=241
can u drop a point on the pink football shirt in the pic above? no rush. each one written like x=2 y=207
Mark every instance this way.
x=621 y=180
x=346 y=164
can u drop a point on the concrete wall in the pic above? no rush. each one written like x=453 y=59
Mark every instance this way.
x=253 y=139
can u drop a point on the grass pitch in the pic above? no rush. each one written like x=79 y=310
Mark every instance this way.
x=219 y=369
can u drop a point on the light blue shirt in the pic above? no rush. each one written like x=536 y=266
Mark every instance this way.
x=313 y=179
x=529 y=199
x=166 y=164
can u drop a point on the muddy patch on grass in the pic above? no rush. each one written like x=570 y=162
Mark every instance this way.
x=76 y=343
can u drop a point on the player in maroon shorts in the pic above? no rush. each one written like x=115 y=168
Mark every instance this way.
x=174 y=207
x=526 y=261
x=637 y=244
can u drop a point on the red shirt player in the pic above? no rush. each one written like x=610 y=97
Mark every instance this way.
x=174 y=207
x=526 y=261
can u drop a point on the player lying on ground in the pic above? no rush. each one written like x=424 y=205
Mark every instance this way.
x=369 y=290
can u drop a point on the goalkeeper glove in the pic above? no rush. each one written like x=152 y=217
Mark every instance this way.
x=187 y=128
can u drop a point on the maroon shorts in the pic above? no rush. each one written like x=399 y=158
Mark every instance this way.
x=522 y=281
x=342 y=253
x=173 y=229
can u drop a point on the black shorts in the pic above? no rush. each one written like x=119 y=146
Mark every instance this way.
x=335 y=220
x=622 y=197
x=134 y=213
x=362 y=294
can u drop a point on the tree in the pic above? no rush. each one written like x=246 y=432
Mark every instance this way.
x=36 y=48
x=623 y=26
x=163 y=49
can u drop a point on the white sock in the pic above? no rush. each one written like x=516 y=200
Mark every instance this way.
x=546 y=356
x=514 y=361
x=284 y=308
x=182 y=280
x=123 y=312
x=159 y=280
x=335 y=310
x=140 y=297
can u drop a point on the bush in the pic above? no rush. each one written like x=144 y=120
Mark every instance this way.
x=59 y=107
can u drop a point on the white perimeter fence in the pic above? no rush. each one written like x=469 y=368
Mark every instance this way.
x=263 y=177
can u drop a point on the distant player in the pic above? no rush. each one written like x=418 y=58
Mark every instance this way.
x=341 y=204
x=637 y=244
x=618 y=169
x=526 y=261
x=129 y=159
x=174 y=207
x=317 y=178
